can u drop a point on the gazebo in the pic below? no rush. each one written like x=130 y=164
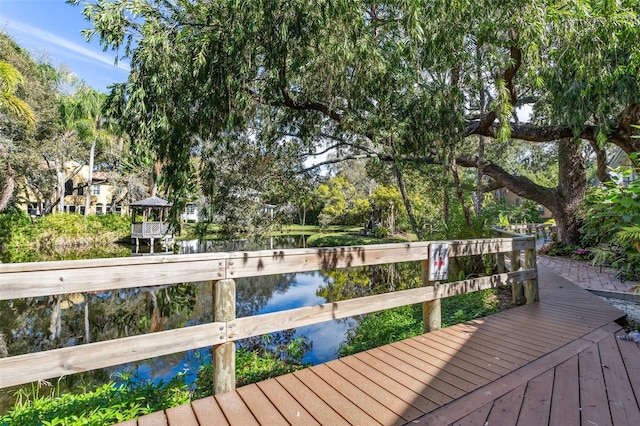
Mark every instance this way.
x=154 y=212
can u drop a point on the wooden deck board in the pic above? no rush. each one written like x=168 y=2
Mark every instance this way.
x=181 y=415
x=461 y=407
x=351 y=412
x=286 y=404
x=399 y=406
x=456 y=365
x=622 y=402
x=427 y=390
x=154 y=419
x=513 y=343
x=536 y=403
x=235 y=410
x=358 y=397
x=396 y=385
x=317 y=408
x=594 y=407
x=208 y=412
x=478 y=417
x=565 y=402
x=545 y=331
x=260 y=406
x=486 y=354
x=420 y=369
x=505 y=410
x=458 y=334
x=556 y=362
x=473 y=367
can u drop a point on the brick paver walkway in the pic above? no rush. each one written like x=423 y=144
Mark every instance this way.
x=584 y=274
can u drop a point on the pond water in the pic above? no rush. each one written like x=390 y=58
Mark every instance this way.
x=37 y=324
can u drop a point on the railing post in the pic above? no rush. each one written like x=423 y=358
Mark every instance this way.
x=517 y=292
x=500 y=258
x=531 y=286
x=431 y=310
x=224 y=355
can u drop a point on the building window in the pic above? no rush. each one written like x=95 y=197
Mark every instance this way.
x=95 y=189
x=80 y=190
x=99 y=209
x=68 y=187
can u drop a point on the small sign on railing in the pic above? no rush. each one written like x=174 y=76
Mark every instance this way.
x=439 y=261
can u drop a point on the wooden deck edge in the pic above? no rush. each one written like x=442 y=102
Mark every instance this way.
x=459 y=408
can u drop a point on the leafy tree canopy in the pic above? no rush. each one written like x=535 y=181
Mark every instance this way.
x=400 y=81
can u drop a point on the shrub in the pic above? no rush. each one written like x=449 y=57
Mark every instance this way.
x=109 y=403
x=17 y=230
x=381 y=232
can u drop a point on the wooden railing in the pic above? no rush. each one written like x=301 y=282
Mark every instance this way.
x=540 y=230
x=521 y=292
x=149 y=229
x=24 y=280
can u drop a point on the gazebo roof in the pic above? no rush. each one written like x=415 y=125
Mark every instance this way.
x=151 y=202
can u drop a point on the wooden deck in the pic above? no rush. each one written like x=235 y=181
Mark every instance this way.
x=555 y=362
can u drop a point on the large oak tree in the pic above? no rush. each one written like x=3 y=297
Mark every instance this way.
x=401 y=81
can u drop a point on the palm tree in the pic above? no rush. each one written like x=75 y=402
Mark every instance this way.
x=17 y=109
x=10 y=80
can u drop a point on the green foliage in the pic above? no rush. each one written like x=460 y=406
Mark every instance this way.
x=465 y=307
x=503 y=220
x=381 y=328
x=10 y=81
x=342 y=204
x=381 y=232
x=107 y=404
x=15 y=228
x=611 y=219
x=46 y=232
x=497 y=213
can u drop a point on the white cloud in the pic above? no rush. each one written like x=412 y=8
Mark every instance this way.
x=69 y=47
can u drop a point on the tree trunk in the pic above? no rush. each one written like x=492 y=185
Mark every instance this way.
x=479 y=195
x=563 y=201
x=460 y=193
x=87 y=203
x=405 y=200
x=61 y=188
x=7 y=189
x=572 y=181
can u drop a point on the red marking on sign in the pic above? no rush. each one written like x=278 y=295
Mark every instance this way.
x=439 y=263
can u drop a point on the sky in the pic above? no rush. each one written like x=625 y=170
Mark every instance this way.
x=51 y=29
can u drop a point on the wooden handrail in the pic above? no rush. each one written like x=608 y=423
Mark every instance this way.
x=51 y=278
x=529 y=292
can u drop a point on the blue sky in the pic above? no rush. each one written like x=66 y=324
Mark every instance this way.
x=51 y=29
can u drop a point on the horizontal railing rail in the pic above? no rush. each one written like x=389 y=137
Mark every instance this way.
x=540 y=230
x=25 y=280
